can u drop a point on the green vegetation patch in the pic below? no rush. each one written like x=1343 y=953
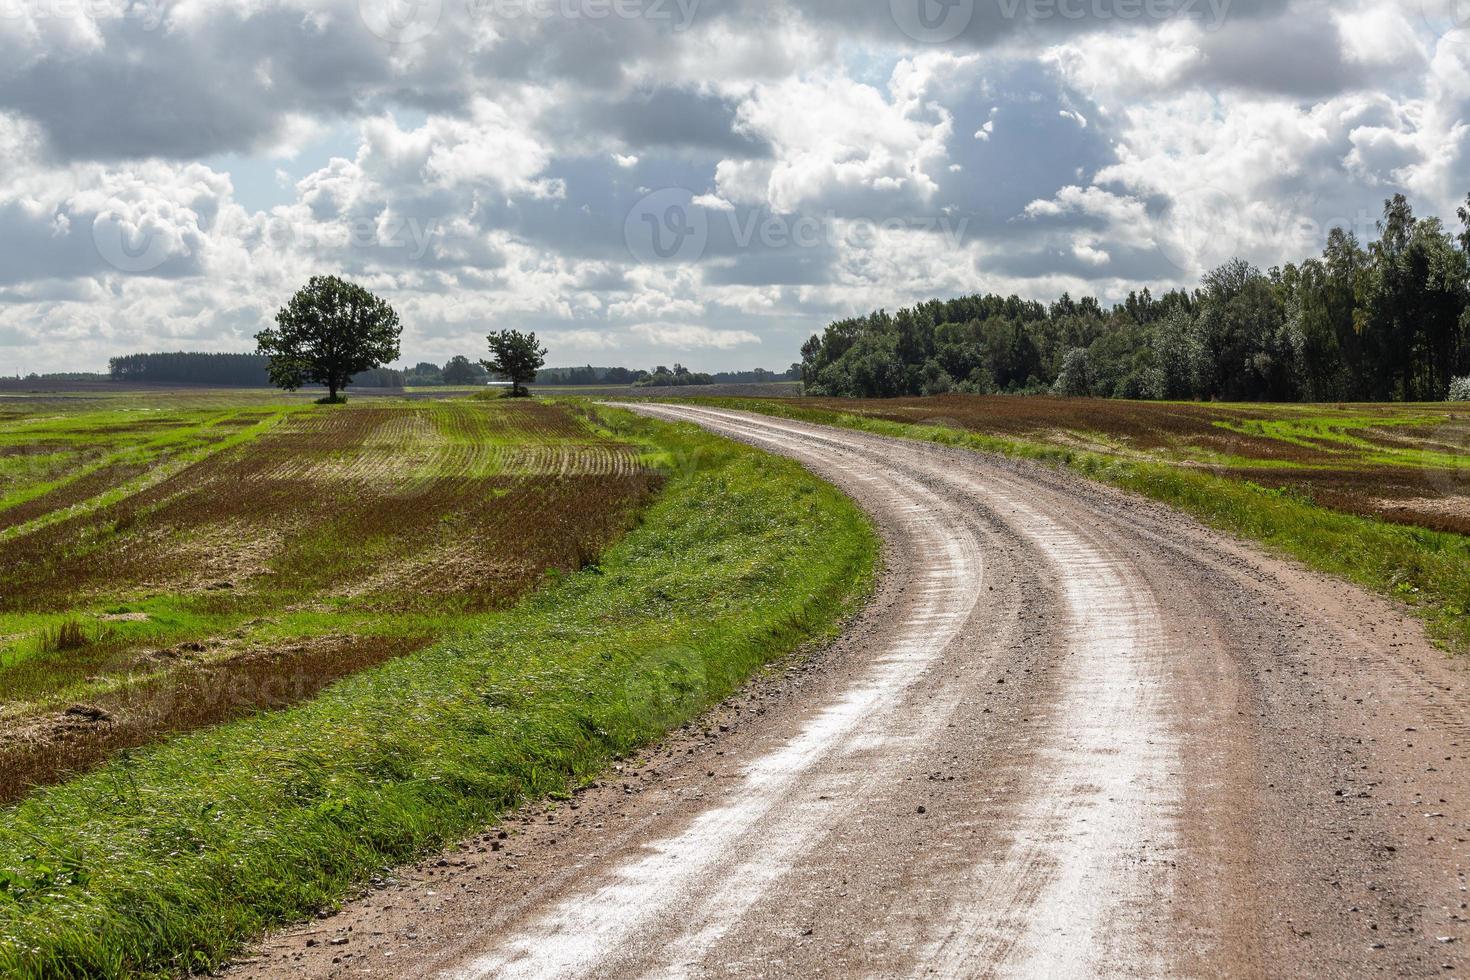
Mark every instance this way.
x=1426 y=568
x=168 y=859
x=386 y=519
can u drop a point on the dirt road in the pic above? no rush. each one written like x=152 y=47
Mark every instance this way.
x=1076 y=734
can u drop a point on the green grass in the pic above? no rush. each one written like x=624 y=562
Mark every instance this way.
x=424 y=443
x=168 y=859
x=148 y=443
x=1342 y=434
x=1429 y=570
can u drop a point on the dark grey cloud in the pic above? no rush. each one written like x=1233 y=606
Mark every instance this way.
x=672 y=118
x=1298 y=54
x=81 y=242
x=985 y=23
x=223 y=81
x=1138 y=265
x=221 y=86
x=510 y=164
x=788 y=266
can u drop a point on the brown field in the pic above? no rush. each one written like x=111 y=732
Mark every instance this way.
x=1407 y=464
x=260 y=573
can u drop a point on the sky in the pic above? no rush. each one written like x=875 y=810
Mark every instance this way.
x=702 y=181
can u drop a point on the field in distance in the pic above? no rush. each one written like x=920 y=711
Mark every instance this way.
x=1378 y=494
x=168 y=562
x=1407 y=464
x=766 y=389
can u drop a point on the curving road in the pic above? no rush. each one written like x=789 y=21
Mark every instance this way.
x=1076 y=734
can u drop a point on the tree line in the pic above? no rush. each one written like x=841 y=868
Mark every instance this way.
x=253 y=371
x=1381 y=322
x=589 y=376
x=659 y=377
x=187 y=367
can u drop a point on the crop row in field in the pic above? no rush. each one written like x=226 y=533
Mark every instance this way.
x=1378 y=494
x=50 y=463
x=165 y=859
x=1408 y=464
x=332 y=540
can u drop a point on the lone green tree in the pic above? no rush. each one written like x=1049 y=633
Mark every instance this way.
x=516 y=357
x=329 y=331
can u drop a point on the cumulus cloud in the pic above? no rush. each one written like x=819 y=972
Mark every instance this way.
x=170 y=172
x=693 y=336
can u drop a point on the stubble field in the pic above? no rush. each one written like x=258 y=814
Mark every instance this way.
x=1408 y=464
x=254 y=653
x=1376 y=493
x=164 y=569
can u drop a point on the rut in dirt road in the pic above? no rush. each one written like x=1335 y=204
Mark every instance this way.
x=1075 y=735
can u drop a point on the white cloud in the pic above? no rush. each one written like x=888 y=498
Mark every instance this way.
x=832 y=136
x=1378 y=36
x=685 y=336
x=485 y=174
x=712 y=202
x=1088 y=252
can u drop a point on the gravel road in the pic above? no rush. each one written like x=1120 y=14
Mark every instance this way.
x=1075 y=734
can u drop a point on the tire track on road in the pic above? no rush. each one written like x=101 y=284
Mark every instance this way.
x=1047 y=904
x=1077 y=734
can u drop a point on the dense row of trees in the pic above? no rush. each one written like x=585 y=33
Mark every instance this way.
x=679 y=377
x=223 y=370
x=659 y=377
x=458 y=370
x=252 y=370
x=757 y=376
x=183 y=367
x=1389 y=321
x=589 y=376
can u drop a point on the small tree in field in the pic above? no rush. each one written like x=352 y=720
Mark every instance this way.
x=329 y=331
x=516 y=357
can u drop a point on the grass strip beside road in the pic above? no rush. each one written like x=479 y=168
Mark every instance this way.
x=1429 y=570
x=166 y=860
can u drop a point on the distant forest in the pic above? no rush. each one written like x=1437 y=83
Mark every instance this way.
x=181 y=367
x=1387 y=322
x=249 y=371
x=659 y=377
